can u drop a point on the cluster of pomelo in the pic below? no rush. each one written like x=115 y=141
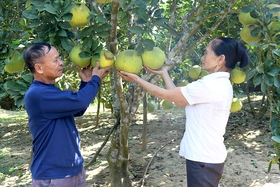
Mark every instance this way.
x=249 y=24
x=127 y=60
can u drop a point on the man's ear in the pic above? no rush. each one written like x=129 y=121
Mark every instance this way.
x=38 y=68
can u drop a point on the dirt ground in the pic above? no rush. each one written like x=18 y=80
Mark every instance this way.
x=247 y=141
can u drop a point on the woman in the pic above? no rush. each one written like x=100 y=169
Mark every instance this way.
x=207 y=103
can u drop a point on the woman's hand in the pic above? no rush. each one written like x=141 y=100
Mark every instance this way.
x=128 y=76
x=162 y=71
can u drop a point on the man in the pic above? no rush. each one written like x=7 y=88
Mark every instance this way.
x=57 y=160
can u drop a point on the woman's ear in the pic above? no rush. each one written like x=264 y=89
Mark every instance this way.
x=222 y=60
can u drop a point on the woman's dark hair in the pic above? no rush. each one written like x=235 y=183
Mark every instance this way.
x=33 y=53
x=234 y=51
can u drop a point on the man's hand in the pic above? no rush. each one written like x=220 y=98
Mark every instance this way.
x=85 y=74
x=100 y=72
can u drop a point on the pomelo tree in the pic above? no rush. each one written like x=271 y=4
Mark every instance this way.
x=264 y=40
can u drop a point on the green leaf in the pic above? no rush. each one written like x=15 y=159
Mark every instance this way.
x=141 y=21
x=62 y=33
x=275 y=126
x=154 y=3
x=273 y=71
x=248 y=8
x=67 y=17
x=103 y=34
x=13 y=93
x=276 y=138
x=12 y=85
x=269 y=167
x=2 y=93
x=64 y=25
x=160 y=21
x=276 y=52
x=30 y=14
x=49 y=8
x=158 y=12
x=276 y=82
x=269 y=80
x=263 y=87
x=28 y=78
x=66 y=44
x=136 y=29
x=148 y=44
x=67 y=9
x=101 y=19
x=274 y=10
x=257 y=79
x=85 y=55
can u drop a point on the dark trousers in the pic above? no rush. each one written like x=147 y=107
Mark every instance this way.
x=201 y=174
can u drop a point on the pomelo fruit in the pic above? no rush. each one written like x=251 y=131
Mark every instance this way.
x=246 y=18
x=271 y=6
x=246 y=35
x=237 y=76
x=106 y=59
x=80 y=14
x=183 y=83
x=236 y=105
x=103 y=1
x=75 y=57
x=150 y=107
x=166 y=104
x=203 y=73
x=15 y=64
x=153 y=59
x=129 y=61
x=194 y=72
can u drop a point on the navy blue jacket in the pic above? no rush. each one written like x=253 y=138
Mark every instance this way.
x=56 y=141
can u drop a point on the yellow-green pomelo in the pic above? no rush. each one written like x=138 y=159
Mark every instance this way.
x=103 y=1
x=106 y=59
x=183 y=83
x=246 y=35
x=150 y=107
x=271 y=6
x=75 y=57
x=15 y=64
x=236 y=105
x=203 y=73
x=246 y=18
x=273 y=27
x=166 y=104
x=129 y=61
x=153 y=59
x=194 y=72
x=237 y=76
x=80 y=14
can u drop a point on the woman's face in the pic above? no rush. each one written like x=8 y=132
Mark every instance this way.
x=209 y=61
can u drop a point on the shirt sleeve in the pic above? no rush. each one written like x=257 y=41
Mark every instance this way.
x=197 y=92
x=55 y=103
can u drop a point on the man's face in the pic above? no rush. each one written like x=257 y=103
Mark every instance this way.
x=51 y=65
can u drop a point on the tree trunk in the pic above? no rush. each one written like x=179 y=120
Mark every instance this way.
x=118 y=157
x=145 y=122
